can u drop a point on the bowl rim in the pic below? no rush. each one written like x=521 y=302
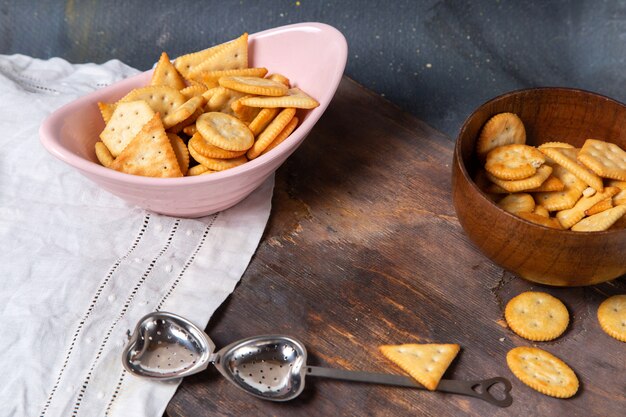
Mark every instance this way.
x=50 y=124
x=468 y=178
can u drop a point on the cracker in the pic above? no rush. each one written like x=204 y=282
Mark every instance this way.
x=589 y=191
x=536 y=316
x=543 y=172
x=615 y=183
x=229 y=55
x=225 y=131
x=295 y=98
x=601 y=221
x=244 y=113
x=516 y=203
x=542 y=371
x=270 y=133
x=541 y=211
x=254 y=85
x=605 y=159
x=211 y=78
x=183 y=112
x=280 y=78
x=181 y=151
x=106 y=110
x=179 y=127
x=565 y=199
x=540 y=219
x=282 y=136
x=567 y=159
x=612 y=316
x=619 y=198
x=160 y=98
x=204 y=148
x=571 y=216
x=217 y=164
x=149 y=154
x=426 y=363
x=166 y=74
x=599 y=207
x=193 y=91
x=262 y=119
x=514 y=162
x=551 y=184
x=502 y=129
x=126 y=121
x=555 y=145
x=221 y=100
x=198 y=170
x=190 y=130
x=104 y=155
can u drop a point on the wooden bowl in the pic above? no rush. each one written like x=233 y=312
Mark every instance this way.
x=538 y=253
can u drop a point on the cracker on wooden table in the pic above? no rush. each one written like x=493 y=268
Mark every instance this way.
x=536 y=316
x=426 y=363
x=513 y=162
x=605 y=159
x=612 y=316
x=149 y=154
x=501 y=129
x=542 y=371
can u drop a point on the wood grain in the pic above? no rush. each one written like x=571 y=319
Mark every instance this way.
x=363 y=248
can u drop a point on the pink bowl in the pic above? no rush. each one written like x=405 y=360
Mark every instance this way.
x=312 y=55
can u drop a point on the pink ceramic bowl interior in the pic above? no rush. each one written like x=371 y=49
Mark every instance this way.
x=312 y=55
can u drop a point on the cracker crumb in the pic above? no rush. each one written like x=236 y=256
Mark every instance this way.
x=501 y=339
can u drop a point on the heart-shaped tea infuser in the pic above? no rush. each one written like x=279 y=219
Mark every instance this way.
x=165 y=346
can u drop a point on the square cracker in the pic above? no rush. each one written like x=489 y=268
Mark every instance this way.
x=426 y=363
x=605 y=159
x=149 y=154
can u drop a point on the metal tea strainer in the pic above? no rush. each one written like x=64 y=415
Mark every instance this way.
x=165 y=346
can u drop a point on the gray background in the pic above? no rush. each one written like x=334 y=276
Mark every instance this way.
x=435 y=59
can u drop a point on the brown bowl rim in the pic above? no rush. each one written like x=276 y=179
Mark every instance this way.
x=459 y=158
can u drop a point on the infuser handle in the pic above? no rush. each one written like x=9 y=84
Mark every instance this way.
x=478 y=389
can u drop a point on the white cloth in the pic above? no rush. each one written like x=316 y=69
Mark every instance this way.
x=80 y=266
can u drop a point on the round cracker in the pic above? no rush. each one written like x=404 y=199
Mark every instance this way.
x=612 y=316
x=204 y=148
x=104 y=155
x=225 y=131
x=536 y=316
x=514 y=162
x=198 y=170
x=217 y=164
x=542 y=371
x=502 y=129
x=254 y=85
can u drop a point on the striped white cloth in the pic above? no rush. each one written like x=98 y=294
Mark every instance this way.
x=80 y=266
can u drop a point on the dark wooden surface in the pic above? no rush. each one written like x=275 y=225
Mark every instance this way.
x=363 y=248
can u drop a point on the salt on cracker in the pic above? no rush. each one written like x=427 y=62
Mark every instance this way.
x=501 y=129
x=571 y=216
x=612 y=316
x=270 y=133
x=543 y=172
x=605 y=159
x=104 y=155
x=536 y=316
x=225 y=131
x=149 y=154
x=514 y=162
x=542 y=371
x=126 y=121
x=426 y=363
x=601 y=221
x=295 y=98
x=166 y=74
x=567 y=159
x=518 y=202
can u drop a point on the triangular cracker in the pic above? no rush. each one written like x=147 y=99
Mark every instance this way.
x=106 y=110
x=166 y=74
x=426 y=363
x=126 y=121
x=149 y=154
x=230 y=55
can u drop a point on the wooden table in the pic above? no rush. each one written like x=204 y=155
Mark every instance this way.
x=363 y=248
